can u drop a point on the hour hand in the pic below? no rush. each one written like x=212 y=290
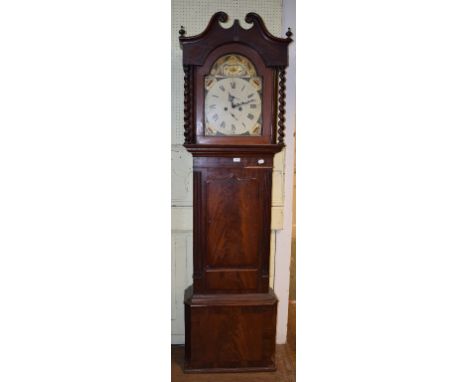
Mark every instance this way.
x=230 y=98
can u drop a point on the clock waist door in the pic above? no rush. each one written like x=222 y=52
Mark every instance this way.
x=235 y=218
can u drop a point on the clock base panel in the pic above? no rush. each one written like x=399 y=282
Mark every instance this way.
x=265 y=369
x=230 y=332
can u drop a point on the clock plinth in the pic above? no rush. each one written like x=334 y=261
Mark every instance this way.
x=234 y=122
x=230 y=332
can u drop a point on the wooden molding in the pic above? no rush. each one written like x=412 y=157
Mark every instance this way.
x=274 y=50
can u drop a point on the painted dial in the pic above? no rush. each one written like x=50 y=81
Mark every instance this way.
x=233 y=104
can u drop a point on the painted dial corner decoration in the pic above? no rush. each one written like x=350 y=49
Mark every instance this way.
x=233 y=98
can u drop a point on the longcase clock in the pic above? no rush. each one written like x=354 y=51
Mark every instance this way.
x=234 y=124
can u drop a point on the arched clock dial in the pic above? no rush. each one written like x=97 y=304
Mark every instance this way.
x=233 y=98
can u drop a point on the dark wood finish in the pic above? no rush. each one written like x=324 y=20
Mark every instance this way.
x=243 y=161
x=282 y=103
x=273 y=49
x=230 y=333
x=285 y=369
x=226 y=196
x=230 y=311
x=244 y=299
x=188 y=104
x=198 y=232
x=232 y=150
x=232 y=224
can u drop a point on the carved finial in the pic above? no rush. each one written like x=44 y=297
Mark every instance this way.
x=182 y=31
x=289 y=33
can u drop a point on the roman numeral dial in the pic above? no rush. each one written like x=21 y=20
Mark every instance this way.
x=233 y=98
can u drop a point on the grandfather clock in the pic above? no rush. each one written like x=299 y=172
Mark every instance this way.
x=234 y=125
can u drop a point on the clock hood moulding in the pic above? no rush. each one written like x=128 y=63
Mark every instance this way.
x=255 y=43
x=232 y=150
x=274 y=50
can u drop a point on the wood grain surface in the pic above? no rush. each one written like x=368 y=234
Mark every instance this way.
x=285 y=362
x=232 y=221
x=225 y=332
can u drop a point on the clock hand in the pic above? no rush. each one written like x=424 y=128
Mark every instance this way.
x=231 y=99
x=233 y=116
x=242 y=103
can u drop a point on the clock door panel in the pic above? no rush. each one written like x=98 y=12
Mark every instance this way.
x=234 y=223
x=234 y=212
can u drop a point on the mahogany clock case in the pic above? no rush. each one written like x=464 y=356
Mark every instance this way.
x=230 y=311
x=232 y=224
x=268 y=53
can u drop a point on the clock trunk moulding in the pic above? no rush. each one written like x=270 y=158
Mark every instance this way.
x=234 y=98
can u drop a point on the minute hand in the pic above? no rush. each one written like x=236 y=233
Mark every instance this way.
x=234 y=105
